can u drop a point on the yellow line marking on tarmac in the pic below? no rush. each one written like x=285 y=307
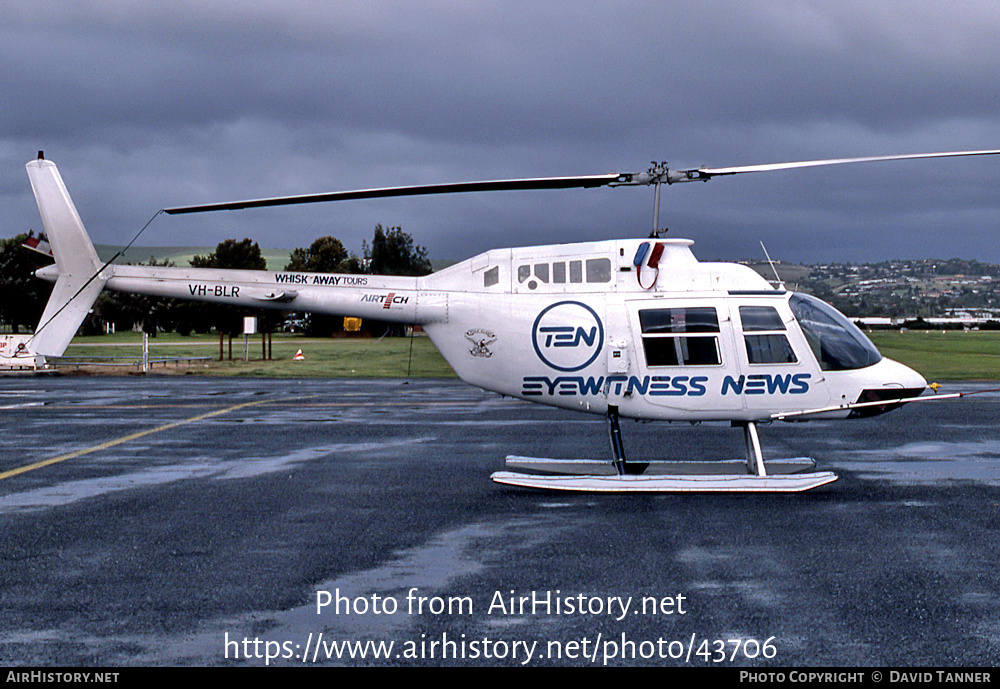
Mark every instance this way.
x=274 y=403
x=125 y=439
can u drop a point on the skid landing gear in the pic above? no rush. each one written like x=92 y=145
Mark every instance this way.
x=621 y=476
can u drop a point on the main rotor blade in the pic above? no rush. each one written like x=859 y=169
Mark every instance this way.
x=420 y=190
x=655 y=175
x=712 y=172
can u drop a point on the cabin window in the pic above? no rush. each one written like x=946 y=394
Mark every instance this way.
x=757 y=318
x=769 y=349
x=681 y=351
x=701 y=319
x=765 y=347
x=599 y=270
x=491 y=277
x=673 y=337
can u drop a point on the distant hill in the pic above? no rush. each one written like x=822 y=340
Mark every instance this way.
x=790 y=273
x=182 y=255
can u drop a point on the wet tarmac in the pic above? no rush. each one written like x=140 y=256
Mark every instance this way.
x=178 y=521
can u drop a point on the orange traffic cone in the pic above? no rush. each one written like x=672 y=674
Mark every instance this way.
x=298 y=356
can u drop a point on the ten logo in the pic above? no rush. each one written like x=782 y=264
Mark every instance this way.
x=568 y=336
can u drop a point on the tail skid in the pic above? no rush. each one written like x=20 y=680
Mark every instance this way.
x=78 y=267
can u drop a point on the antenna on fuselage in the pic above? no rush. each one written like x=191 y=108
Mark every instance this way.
x=781 y=283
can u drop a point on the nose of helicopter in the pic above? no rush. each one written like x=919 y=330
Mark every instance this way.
x=889 y=380
x=895 y=376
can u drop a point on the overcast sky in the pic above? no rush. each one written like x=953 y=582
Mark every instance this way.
x=146 y=105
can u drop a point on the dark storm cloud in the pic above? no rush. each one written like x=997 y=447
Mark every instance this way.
x=144 y=107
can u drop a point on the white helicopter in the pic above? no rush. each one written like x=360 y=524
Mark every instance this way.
x=631 y=328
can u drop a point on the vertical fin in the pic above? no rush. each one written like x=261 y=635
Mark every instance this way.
x=79 y=282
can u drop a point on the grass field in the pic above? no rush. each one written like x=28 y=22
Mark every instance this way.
x=945 y=354
x=948 y=355
x=324 y=358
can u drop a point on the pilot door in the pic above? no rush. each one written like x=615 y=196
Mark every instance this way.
x=778 y=371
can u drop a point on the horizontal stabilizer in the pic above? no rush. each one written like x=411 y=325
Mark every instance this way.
x=39 y=244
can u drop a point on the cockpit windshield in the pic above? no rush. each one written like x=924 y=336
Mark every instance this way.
x=837 y=343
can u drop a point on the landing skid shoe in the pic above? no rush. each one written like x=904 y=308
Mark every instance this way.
x=621 y=476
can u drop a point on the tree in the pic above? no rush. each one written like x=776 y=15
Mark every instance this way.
x=22 y=295
x=394 y=253
x=135 y=311
x=236 y=255
x=325 y=255
x=233 y=255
